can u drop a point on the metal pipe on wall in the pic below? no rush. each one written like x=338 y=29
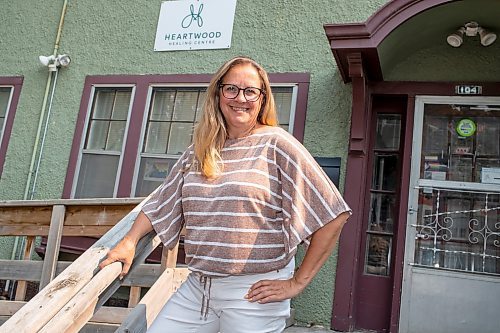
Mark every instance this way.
x=18 y=246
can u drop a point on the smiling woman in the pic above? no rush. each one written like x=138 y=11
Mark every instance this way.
x=247 y=193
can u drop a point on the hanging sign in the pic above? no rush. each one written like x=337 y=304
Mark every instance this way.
x=466 y=127
x=195 y=25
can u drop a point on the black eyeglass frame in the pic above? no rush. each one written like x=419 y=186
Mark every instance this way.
x=222 y=85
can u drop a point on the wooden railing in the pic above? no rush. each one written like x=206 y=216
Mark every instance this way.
x=71 y=294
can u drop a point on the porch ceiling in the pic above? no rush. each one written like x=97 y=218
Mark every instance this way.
x=402 y=27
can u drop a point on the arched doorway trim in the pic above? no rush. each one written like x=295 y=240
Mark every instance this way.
x=366 y=37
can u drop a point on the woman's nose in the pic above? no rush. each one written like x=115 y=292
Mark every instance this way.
x=241 y=96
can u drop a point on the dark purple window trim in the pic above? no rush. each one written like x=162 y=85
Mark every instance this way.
x=16 y=83
x=142 y=84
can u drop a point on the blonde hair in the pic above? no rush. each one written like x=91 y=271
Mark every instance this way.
x=211 y=132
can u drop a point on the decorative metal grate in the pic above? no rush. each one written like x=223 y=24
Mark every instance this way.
x=459 y=230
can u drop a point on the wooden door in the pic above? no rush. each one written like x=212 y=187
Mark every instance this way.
x=375 y=277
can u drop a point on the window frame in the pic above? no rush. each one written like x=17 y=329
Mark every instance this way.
x=15 y=83
x=139 y=107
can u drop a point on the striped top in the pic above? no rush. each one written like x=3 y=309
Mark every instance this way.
x=270 y=197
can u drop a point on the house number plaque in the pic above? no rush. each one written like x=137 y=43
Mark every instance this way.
x=468 y=90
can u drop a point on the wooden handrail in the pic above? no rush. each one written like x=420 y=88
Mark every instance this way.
x=33 y=316
x=67 y=302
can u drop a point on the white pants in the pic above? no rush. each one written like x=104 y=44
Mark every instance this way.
x=227 y=311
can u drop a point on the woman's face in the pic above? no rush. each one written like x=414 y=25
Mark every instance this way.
x=240 y=115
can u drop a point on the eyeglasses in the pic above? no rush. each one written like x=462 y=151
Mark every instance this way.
x=232 y=91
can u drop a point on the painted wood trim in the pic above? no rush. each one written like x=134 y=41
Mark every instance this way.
x=365 y=37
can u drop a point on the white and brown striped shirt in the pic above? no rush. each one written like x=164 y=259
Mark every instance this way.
x=270 y=197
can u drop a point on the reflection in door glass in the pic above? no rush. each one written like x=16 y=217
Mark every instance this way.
x=461 y=143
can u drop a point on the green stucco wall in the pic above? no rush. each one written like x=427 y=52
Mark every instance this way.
x=108 y=37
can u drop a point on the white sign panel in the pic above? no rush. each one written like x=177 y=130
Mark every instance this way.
x=195 y=25
x=490 y=175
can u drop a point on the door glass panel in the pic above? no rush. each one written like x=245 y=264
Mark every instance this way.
x=383 y=207
x=458 y=217
x=388 y=131
x=382 y=212
x=378 y=254
x=461 y=143
x=385 y=172
x=458 y=230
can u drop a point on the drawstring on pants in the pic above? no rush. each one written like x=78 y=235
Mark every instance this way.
x=205 y=302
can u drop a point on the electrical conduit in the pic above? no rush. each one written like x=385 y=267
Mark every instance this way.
x=19 y=244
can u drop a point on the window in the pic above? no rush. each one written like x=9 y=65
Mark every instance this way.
x=131 y=130
x=383 y=193
x=102 y=149
x=10 y=88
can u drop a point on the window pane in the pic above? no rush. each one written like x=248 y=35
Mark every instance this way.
x=283 y=101
x=116 y=134
x=97 y=135
x=185 y=105
x=180 y=138
x=378 y=254
x=97 y=176
x=385 y=172
x=4 y=101
x=162 y=105
x=152 y=172
x=157 y=137
x=103 y=104
x=382 y=212
x=122 y=104
x=388 y=132
x=199 y=107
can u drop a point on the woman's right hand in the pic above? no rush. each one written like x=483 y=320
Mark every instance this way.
x=124 y=252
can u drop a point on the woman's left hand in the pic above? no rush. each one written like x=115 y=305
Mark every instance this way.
x=266 y=291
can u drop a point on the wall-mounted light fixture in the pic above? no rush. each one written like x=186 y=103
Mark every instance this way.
x=62 y=60
x=471 y=29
